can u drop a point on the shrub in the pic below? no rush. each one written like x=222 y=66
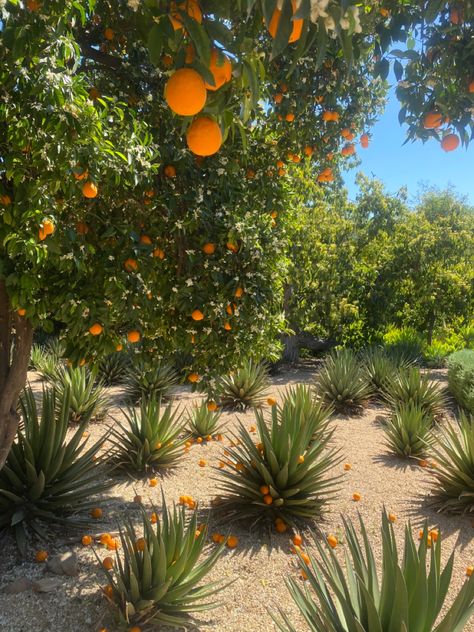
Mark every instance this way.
x=150 y=438
x=112 y=369
x=436 y=353
x=410 y=386
x=299 y=403
x=351 y=597
x=245 y=387
x=204 y=422
x=157 y=575
x=148 y=379
x=454 y=473
x=342 y=382
x=49 y=478
x=461 y=378
x=404 y=342
x=285 y=476
x=379 y=366
x=408 y=430
x=87 y=398
x=46 y=360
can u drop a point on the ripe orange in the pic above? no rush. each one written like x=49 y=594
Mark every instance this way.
x=456 y=16
x=130 y=265
x=209 y=249
x=185 y=92
x=96 y=513
x=384 y=12
x=347 y=466
x=356 y=497
x=280 y=525
x=96 y=329
x=450 y=142
x=118 y=347
x=271 y=401
x=82 y=228
x=90 y=190
x=329 y=115
x=290 y=117
x=471 y=87
x=5 y=200
x=469 y=571
x=33 y=5
x=308 y=151
x=297 y=540
x=275 y=22
x=46 y=228
x=305 y=558
x=202 y=463
x=232 y=541
x=434 y=533
x=133 y=336
x=332 y=541
x=108 y=563
x=278 y=98
x=21 y=311
x=364 y=141
x=41 y=556
x=221 y=70
x=348 y=150
x=204 y=136
x=154 y=518
x=140 y=544
x=191 y=7
x=86 y=540
x=432 y=120
x=146 y=240
x=267 y=499
x=227 y=326
x=392 y=517
x=159 y=253
x=109 y=34
x=232 y=247
x=109 y=591
x=211 y=406
x=170 y=171
x=238 y=292
x=152 y=482
x=264 y=489
x=193 y=377
x=197 y=315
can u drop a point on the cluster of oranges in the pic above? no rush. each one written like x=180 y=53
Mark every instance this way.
x=433 y=121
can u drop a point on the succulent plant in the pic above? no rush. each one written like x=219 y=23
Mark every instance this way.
x=47 y=360
x=408 y=430
x=381 y=366
x=87 y=398
x=204 y=420
x=148 y=379
x=112 y=369
x=50 y=478
x=299 y=402
x=411 y=386
x=244 y=388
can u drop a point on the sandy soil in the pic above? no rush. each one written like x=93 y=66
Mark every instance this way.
x=262 y=561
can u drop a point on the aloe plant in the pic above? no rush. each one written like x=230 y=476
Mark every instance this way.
x=157 y=578
x=342 y=382
x=244 y=388
x=352 y=598
x=203 y=421
x=285 y=476
x=150 y=438
x=408 y=430
x=87 y=398
x=411 y=386
x=112 y=369
x=381 y=367
x=300 y=403
x=454 y=473
x=147 y=379
x=49 y=478
x=47 y=361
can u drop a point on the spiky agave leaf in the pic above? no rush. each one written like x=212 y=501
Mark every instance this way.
x=147 y=379
x=289 y=461
x=157 y=578
x=408 y=430
x=379 y=366
x=411 y=386
x=150 y=439
x=204 y=422
x=454 y=472
x=49 y=479
x=46 y=361
x=338 y=599
x=87 y=398
x=299 y=401
x=112 y=369
x=342 y=382
x=244 y=388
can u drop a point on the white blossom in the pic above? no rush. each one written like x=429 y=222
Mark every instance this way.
x=318 y=9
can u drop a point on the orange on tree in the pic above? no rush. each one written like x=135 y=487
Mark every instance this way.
x=220 y=68
x=170 y=171
x=450 y=142
x=96 y=329
x=185 y=92
x=209 y=248
x=204 y=136
x=191 y=7
x=197 y=315
x=90 y=190
x=275 y=24
x=432 y=120
x=133 y=336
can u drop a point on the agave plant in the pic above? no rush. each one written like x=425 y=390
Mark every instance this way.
x=351 y=598
x=411 y=386
x=461 y=378
x=454 y=472
x=299 y=403
x=156 y=579
x=381 y=367
x=204 y=421
x=150 y=438
x=111 y=369
x=145 y=379
x=49 y=478
x=46 y=361
x=342 y=382
x=87 y=398
x=244 y=388
x=408 y=430
x=285 y=476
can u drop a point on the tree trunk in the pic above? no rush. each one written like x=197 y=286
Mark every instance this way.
x=16 y=337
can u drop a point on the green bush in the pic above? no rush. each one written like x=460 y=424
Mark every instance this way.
x=245 y=387
x=408 y=430
x=404 y=342
x=49 y=479
x=203 y=421
x=461 y=378
x=88 y=399
x=342 y=382
x=400 y=596
x=111 y=370
x=148 y=378
x=47 y=360
x=410 y=386
x=435 y=354
x=157 y=577
x=300 y=403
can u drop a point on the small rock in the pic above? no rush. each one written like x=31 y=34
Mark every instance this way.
x=63 y=564
x=22 y=584
x=46 y=585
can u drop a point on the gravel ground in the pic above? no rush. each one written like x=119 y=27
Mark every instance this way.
x=262 y=561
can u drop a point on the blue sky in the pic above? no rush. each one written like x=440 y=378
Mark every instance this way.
x=414 y=163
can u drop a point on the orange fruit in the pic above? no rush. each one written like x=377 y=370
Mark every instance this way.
x=216 y=537
x=202 y=463
x=432 y=120
x=384 y=12
x=96 y=329
x=109 y=591
x=232 y=247
x=96 y=513
x=280 y=525
x=204 y=136
x=297 y=540
x=109 y=34
x=191 y=7
x=304 y=575
x=290 y=117
x=82 y=228
x=41 y=556
x=469 y=571
x=21 y=311
x=450 y=142
x=185 y=92
x=209 y=249
x=232 y=541
x=108 y=563
x=140 y=544
x=434 y=533
x=112 y=545
x=278 y=98
x=305 y=558
x=347 y=466
x=211 y=405
x=90 y=190
x=271 y=401
x=275 y=22
x=456 y=15
x=267 y=499
x=470 y=87
x=118 y=347
x=356 y=497
x=348 y=150
x=227 y=326
x=332 y=541
x=170 y=171
x=308 y=151
x=86 y=540
x=423 y=463
x=221 y=70
x=197 y=315
x=154 y=518
x=238 y=292
x=5 y=200
x=264 y=489
x=159 y=253
x=364 y=141
x=152 y=482
x=105 y=538
x=133 y=336
x=193 y=377
x=145 y=240
x=392 y=517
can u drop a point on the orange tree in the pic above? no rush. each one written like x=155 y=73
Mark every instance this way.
x=120 y=217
